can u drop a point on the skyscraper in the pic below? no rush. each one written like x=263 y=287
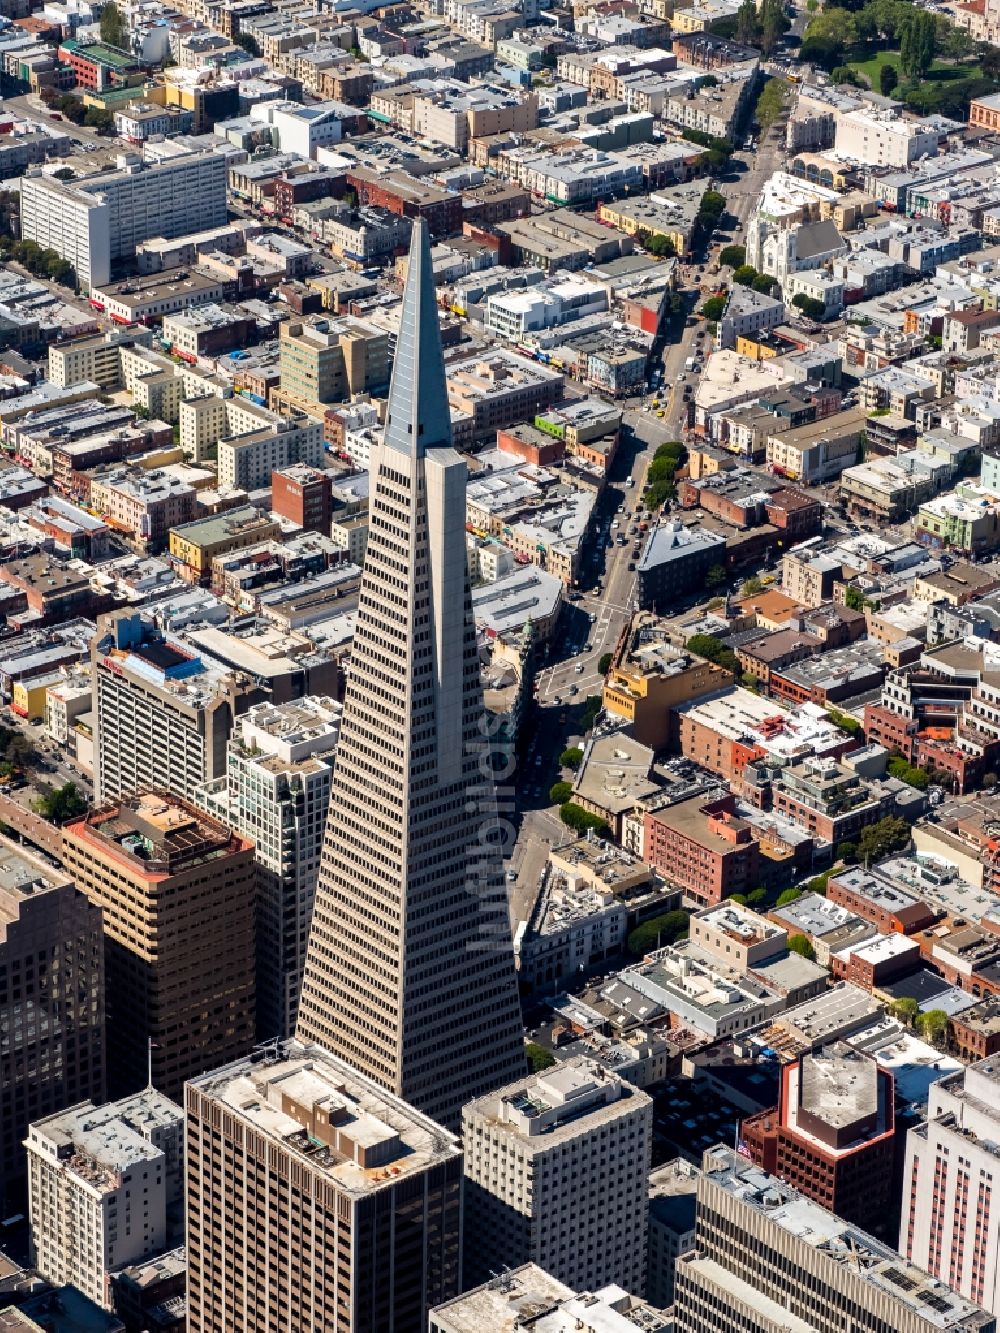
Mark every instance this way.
x=409 y=974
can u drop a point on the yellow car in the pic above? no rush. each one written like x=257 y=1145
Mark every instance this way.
x=660 y=413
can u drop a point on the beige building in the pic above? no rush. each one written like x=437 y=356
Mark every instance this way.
x=177 y=890
x=767 y=1258
x=738 y=936
x=557 y=1173
x=316 y=1200
x=649 y=676
x=51 y=1002
x=808 y=576
x=101 y=1181
x=530 y=1298
x=95 y=360
x=194 y=545
x=820 y=450
x=328 y=361
x=141 y=506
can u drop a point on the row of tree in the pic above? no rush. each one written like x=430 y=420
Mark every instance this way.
x=39 y=260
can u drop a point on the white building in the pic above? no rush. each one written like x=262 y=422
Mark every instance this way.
x=950 y=1224
x=101 y=1181
x=301 y=129
x=247 y=460
x=514 y=315
x=883 y=139
x=96 y=221
x=747 y=314
x=277 y=791
x=530 y=1298
x=557 y=1173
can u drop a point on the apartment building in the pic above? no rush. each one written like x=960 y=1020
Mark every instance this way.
x=95 y=360
x=177 y=890
x=101 y=1181
x=315 y=1199
x=304 y=495
x=557 y=1173
x=766 y=1257
x=247 y=461
x=330 y=360
x=51 y=1002
x=142 y=506
x=498 y=389
x=163 y=711
x=98 y=221
x=948 y=1226
x=832 y=1134
x=830 y=801
x=276 y=792
x=704 y=847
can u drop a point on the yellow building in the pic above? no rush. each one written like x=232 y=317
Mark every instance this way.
x=689 y=20
x=193 y=546
x=756 y=351
x=28 y=699
x=649 y=676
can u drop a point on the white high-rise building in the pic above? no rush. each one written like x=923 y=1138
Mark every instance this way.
x=95 y=221
x=277 y=792
x=557 y=1174
x=410 y=974
x=950 y=1223
x=104 y=1184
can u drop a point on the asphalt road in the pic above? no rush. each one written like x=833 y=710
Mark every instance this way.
x=33 y=107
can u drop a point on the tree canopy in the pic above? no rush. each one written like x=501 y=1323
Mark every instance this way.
x=61 y=804
x=657 y=932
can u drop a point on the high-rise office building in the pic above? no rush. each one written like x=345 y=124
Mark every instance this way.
x=52 y=1049
x=277 y=792
x=557 y=1173
x=951 y=1222
x=178 y=891
x=768 y=1260
x=409 y=974
x=101 y=1182
x=317 y=1202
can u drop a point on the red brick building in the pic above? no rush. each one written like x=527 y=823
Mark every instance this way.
x=408 y=197
x=891 y=909
x=704 y=847
x=303 y=495
x=832 y=1134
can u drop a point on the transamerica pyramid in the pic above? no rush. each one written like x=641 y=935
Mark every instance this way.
x=409 y=973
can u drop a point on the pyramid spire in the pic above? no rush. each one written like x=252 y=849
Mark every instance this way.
x=409 y=973
x=418 y=416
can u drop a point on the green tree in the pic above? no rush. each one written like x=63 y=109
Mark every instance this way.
x=745 y=275
x=604 y=663
x=560 y=792
x=64 y=174
x=809 y=305
x=763 y=282
x=658 y=932
x=788 y=896
x=61 y=804
x=591 y=708
x=855 y=600
x=538 y=1057
x=932 y=1026
x=914 y=777
x=746 y=23
x=844 y=721
x=905 y=1009
x=800 y=944
x=715 y=577
x=890 y=834
x=847 y=852
x=114 y=29
x=773 y=24
x=770 y=103
x=571 y=758
x=714 y=308
x=733 y=255
x=751 y=587
x=756 y=897
x=659 y=245
x=97 y=118
x=709 y=647
x=575 y=817
x=887 y=80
